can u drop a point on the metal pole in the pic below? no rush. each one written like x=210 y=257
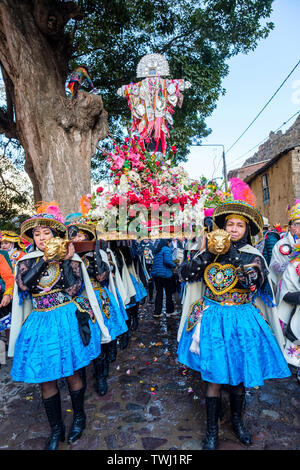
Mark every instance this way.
x=225 y=170
x=223 y=157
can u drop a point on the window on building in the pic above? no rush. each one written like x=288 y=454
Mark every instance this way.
x=265 y=189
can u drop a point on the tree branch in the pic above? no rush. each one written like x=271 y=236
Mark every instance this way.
x=8 y=186
x=10 y=94
x=7 y=127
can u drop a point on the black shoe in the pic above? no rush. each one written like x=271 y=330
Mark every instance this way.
x=236 y=405
x=79 y=419
x=211 y=440
x=112 y=351
x=53 y=411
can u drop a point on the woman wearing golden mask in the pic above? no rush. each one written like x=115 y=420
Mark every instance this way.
x=225 y=330
x=61 y=331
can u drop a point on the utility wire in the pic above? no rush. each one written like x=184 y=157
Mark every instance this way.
x=233 y=162
x=274 y=94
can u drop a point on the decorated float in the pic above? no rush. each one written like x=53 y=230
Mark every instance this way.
x=150 y=195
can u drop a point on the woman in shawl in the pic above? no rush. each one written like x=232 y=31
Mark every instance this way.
x=224 y=334
x=61 y=334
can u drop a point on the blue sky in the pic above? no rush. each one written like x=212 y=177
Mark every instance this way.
x=252 y=80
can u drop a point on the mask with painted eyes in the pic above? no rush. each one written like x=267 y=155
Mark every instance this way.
x=73 y=231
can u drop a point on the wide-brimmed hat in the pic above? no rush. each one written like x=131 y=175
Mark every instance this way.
x=8 y=236
x=42 y=220
x=242 y=209
x=293 y=212
x=88 y=229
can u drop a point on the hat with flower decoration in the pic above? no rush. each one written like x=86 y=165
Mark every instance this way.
x=293 y=212
x=242 y=207
x=47 y=214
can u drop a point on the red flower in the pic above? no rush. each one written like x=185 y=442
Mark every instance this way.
x=174 y=149
x=99 y=190
x=133 y=198
x=114 y=201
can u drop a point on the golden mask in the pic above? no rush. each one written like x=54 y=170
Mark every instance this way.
x=55 y=249
x=218 y=242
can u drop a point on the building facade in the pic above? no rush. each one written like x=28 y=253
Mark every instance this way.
x=277 y=184
x=273 y=174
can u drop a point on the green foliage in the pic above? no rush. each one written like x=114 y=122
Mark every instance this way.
x=16 y=200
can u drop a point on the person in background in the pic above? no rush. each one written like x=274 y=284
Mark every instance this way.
x=270 y=238
x=283 y=249
x=78 y=76
x=147 y=247
x=162 y=272
x=178 y=255
x=6 y=292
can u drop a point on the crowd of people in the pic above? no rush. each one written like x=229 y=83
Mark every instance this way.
x=239 y=307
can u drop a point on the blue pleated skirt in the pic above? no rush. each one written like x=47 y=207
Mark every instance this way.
x=140 y=289
x=236 y=346
x=121 y=305
x=116 y=323
x=49 y=346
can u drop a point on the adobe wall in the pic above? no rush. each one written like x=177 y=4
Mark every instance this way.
x=281 y=187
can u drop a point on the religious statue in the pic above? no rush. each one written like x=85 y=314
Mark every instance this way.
x=152 y=101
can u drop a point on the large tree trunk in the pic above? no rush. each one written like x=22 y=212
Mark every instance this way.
x=59 y=139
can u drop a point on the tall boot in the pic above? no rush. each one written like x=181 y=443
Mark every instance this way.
x=112 y=351
x=237 y=401
x=79 y=418
x=134 y=318
x=53 y=411
x=124 y=340
x=82 y=373
x=129 y=321
x=211 y=440
x=101 y=366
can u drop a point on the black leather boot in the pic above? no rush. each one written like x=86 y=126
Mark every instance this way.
x=101 y=366
x=112 y=351
x=211 y=440
x=129 y=321
x=82 y=373
x=79 y=418
x=237 y=401
x=124 y=340
x=134 y=318
x=53 y=411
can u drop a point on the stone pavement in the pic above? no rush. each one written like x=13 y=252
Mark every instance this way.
x=153 y=403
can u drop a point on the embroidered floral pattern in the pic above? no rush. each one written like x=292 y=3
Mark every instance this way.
x=105 y=301
x=195 y=314
x=51 y=300
x=220 y=278
x=236 y=297
x=84 y=305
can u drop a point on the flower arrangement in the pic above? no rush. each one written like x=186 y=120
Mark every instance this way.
x=149 y=196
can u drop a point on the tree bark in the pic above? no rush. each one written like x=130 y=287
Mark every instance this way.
x=59 y=139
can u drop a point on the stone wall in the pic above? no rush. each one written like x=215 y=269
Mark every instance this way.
x=277 y=143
